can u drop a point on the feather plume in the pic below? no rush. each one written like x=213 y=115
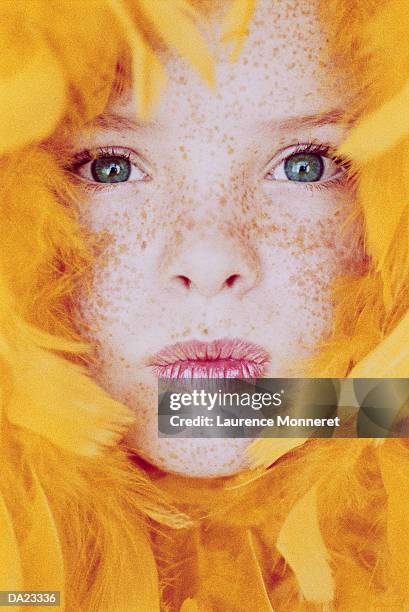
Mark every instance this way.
x=390 y=359
x=11 y=577
x=84 y=426
x=301 y=544
x=41 y=79
x=173 y=22
x=41 y=551
x=380 y=130
x=236 y=25
x=266 y=451
x=393 y=460
x=90 y=502
x=148 y=75
x=189 y=605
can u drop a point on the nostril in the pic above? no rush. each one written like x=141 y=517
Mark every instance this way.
x=229 y=282
x=185 y=281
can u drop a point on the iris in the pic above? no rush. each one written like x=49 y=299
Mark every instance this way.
x=304 y=167
x=112 y=169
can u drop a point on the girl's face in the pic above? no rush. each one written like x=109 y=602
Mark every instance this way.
x=221 y=225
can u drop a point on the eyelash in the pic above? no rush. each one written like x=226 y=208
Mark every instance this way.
x=325 y=151
x=344 y=164
x=89 y=155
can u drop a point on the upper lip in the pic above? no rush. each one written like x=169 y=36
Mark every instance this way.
x=222 y=350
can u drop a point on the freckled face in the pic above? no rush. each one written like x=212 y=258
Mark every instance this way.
x=238 y=185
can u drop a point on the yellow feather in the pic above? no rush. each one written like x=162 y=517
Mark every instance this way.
x=148 y=76
x=41 y=552
x=393 y=461
x=380 y=130
x=385 y=80
x=189 y=605
x=381 y=176
x=390 y=359
x=174 y=24
x=236 y=24
x=266 y=451
x=10 y=567
x=84 y=425
x=301 y=544
x=147 y=72
x=32 y=100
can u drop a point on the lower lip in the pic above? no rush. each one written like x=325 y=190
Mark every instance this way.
x=220 y=368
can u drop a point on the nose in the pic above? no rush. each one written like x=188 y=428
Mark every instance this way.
x=214 y=264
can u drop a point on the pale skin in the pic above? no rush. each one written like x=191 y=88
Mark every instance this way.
x=208 y=198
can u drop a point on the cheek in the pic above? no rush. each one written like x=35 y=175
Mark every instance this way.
x=313 y=226
x=122 y=226
x=119 y=287
x=306 y=244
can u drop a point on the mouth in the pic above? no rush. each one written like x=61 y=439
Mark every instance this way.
x=224 y=358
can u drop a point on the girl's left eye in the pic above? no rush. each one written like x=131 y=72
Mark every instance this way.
x=109 y=167
x=309 y=166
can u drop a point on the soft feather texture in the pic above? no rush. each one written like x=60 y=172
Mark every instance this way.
x=67 y=490
x=299 y=539
x=237 y=24
x=67 y=495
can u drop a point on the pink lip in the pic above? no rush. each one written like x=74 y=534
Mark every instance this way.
x=224 y=358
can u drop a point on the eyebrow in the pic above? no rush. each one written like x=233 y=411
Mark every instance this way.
x=316 y=120
x=120 y=123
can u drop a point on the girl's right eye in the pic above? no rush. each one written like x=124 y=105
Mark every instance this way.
x=110 y=167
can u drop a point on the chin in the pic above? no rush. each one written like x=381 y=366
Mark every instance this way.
x=204 y=458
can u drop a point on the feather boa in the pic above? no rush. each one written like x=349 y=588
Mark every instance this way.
x=68 y=492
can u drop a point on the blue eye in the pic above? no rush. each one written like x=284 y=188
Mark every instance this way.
x=110 y=166
x=304 y=167
x=112 y=169
x=309 y=164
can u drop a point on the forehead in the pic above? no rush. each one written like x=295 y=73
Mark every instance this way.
x=284 y=70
